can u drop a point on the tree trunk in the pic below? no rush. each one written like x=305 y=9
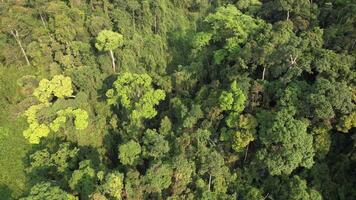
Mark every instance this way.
x=44 y=25
x=246 y=154
x=263 y=73
x=287 y=15
x=113 y=60
x=17 y=38
x=353 y=45
x=155 y=24
x=209 y=181
x=265 y=197
x=133 y=20
x=43 y=22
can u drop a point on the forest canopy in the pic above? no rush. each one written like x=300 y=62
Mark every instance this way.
x=177 y=99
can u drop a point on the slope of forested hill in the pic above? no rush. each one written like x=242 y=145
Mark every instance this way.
x=177 y=99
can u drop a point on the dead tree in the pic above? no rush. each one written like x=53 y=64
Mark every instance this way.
x=292 y=60
x=15 y=34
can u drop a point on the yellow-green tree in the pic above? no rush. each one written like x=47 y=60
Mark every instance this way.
x=60 y=87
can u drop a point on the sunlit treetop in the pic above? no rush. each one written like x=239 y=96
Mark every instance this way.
x=114 y=184
x=108 y=40
x=38 y=129
x=129 y=153
x=230 y=25
x=60 y=87
x=233 y=100
x=347 y=122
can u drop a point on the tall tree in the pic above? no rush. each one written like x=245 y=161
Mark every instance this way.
x=108 y=41
x=286 y=144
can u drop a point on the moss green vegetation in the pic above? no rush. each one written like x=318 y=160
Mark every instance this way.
x=177 y=99
x=13 y=146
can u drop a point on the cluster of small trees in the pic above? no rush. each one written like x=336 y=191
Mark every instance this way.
x=184 y=99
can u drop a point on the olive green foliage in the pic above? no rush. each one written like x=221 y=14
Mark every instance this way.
x=322 y=141
x=246 y=132
x=83 y=179
x=46 y=190
x=347 y=122
x=287 y=145
x=13 y=146
x=158 y=177
x=295 y=188
x=229 y=29
x=225 y=99
x=114 y=184
x=129 y=153
x=240 y=133
x=154 y=144
x=59 y=161
x=134 y=92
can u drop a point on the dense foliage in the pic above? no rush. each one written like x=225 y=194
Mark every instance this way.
x=177 y=99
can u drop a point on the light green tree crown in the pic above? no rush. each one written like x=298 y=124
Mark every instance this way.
x=108 y=40
x=60 y=87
